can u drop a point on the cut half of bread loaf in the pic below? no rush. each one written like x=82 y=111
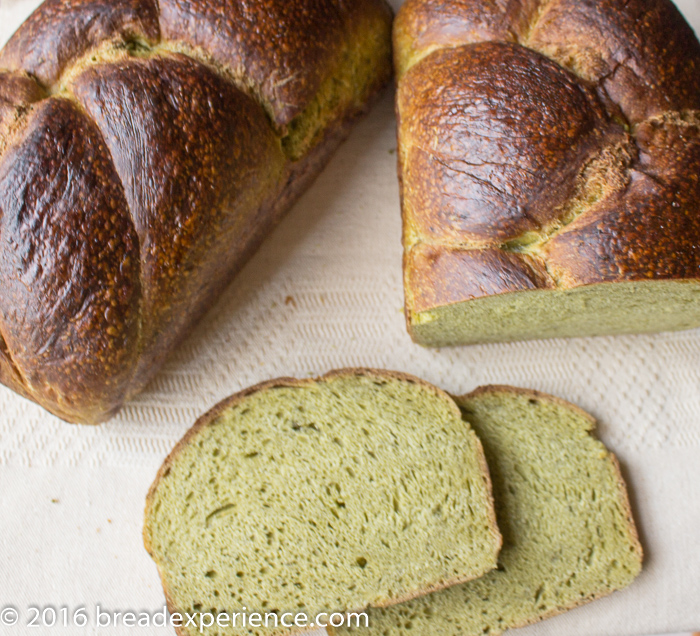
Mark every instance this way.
x=563 y=509
x=548 y=158
x=362 y=488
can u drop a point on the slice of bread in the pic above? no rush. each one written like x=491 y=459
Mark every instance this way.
x=561 y=503
x=363 y=488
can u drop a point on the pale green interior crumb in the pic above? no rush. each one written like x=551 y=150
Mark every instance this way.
x=593 y=310
x=347 y=493
x=560 y=508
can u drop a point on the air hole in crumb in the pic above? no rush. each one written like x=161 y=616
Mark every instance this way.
x=361 y=561
x=210 y=574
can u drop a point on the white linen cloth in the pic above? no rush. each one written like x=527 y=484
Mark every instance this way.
x=325 y=292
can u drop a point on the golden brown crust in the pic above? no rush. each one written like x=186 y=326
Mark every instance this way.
x=377 y=374
x=563 y=129
x=442 y=276
x=17 y=94
x=501 y=164
x=197 y=207
x=237 y=35
x=426 y=25
x=181 y=152
x=298 y=177
x=642 y=53
x=632 y=236
x=60 y=31
x=70 y=290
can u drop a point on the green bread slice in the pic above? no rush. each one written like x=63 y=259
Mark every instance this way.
x=563 y=510
x=363 y=488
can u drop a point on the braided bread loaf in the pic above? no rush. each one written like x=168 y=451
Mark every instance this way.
x=146 y=148
x=549 y=157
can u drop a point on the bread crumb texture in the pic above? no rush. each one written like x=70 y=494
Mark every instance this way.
x=360 y=489
x=562 y=507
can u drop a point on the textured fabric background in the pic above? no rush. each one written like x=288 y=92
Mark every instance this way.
x=325 y=292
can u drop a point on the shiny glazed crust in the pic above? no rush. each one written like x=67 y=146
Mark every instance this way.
x=545 y=144
x=146 y=149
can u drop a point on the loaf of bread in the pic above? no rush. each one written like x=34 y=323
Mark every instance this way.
x=146 y=148
x=562 y=506
x=549 y=153
x=363 y=488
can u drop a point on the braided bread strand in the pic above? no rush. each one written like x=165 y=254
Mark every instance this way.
x=146 y=148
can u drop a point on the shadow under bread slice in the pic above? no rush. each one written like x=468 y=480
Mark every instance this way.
x=363 y=488
x=563 y=510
